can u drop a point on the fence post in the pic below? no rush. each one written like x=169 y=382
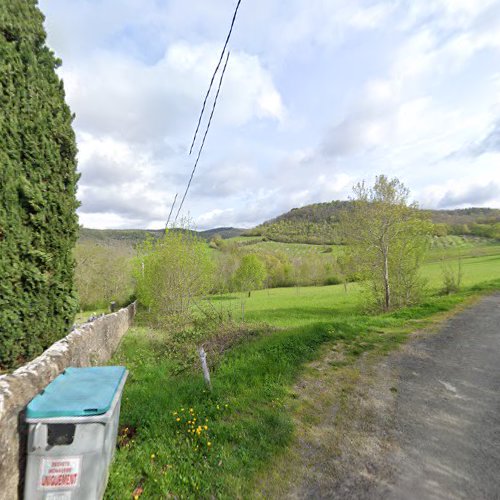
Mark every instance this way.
x=206 y=373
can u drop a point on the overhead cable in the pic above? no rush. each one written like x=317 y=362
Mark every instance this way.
x=204 y=137
x=171 y=210
x=213 y=75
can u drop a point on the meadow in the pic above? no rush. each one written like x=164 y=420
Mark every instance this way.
x=179 y=439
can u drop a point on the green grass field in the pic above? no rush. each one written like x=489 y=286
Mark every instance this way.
x=178 y=439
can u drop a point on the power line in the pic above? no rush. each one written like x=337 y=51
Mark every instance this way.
x=213 y=75
x=171 y=210
x=204 y=137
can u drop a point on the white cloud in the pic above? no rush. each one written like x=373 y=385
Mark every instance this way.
x=327 y=22
x=316 y=96
x=134 y=135
x=133 y=101
x=214 y=218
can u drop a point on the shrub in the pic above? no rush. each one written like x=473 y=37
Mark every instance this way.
x=172 y=273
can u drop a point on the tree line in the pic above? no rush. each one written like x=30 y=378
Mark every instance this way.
x=385 y=238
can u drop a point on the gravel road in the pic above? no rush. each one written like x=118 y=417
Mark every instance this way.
x=421 y=423
x=447 y=410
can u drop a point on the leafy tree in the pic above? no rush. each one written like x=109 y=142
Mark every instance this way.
x=386 y=237
x=251 y=274
x=226 y=262
x=171 y=273
x=279 y=270
x=103 y=274
x=38 y=222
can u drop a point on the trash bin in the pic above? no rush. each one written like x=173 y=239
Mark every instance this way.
x=72 y=430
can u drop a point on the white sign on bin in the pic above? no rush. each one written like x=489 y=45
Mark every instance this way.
x=60 y=473
x=60 y=495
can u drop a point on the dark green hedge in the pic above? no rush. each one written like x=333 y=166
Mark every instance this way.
x=38 y=222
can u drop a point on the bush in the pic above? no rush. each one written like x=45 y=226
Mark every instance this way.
x=333 y=280
x=452 y=276
x=171 y=274
x=38 y=223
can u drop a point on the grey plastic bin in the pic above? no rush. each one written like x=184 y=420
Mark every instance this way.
x=72 y=430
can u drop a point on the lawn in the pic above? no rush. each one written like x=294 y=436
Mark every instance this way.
x=179 y=439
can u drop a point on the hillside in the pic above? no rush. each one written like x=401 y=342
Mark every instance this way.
x=314 y=224
x=318 y=223
x=131 y=237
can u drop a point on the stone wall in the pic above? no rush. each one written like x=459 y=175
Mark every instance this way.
x=90 y=344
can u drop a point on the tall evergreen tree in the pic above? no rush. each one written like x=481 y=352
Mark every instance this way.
x=38 y=221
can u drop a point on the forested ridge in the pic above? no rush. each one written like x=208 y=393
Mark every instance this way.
x=318 y=223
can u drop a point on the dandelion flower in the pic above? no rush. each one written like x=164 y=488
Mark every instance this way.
x=209 y=444
x=178 y=419
x=153 y=455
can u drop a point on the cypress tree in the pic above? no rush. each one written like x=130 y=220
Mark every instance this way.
x=38 y=221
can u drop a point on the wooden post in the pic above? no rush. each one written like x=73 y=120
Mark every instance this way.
x=206 y=373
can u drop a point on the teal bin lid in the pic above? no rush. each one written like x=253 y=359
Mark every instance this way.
x=78 y=392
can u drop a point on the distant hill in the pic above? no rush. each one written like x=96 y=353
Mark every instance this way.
x=223 y=232
x=318 y=223
x=130 y=237
x=473 y=215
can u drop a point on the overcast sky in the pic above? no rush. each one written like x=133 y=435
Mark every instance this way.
x=317 y=95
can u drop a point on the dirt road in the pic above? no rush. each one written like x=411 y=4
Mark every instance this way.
x=447 y=410
x=421 y=423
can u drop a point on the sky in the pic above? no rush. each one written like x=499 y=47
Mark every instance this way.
x=317 y=95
